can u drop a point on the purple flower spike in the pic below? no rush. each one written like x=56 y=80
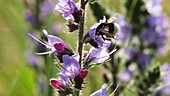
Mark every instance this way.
x=71 y=66
x=66 y=8
x=97 y=55
x=102 y=92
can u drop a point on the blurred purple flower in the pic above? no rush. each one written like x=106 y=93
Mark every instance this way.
x=160 y=22
x=149 y=36
x=132 y=53
x=55 y=44
x=143 y=60
x=165 y=91
x=165 y=79
x=165 y=67
x=71 y=66
x=157 y=32
x=66 y=8
x=125 y=28
x=165 y=70
x=102 y=92
x=42 y=83
x=154 y=7
x=161 y=40
x=125 y=75
x=30 y=17
x=97 y=55
x=160 y=25
x=46 y=8
x=33 y=60
x=56 y=28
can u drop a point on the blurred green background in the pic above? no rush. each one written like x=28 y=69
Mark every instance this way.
x=16 y=77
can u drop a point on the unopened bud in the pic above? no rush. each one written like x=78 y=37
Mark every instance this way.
x=83 y=74
x=60 y=47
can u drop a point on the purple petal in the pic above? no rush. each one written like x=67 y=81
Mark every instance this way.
x=66 y=8
x=98 y=55
x=102 y=92
x=71 y=66
x=53 y=39
x=68 y=16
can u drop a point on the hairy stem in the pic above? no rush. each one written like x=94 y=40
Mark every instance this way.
x=80 y=38
x=81 y=31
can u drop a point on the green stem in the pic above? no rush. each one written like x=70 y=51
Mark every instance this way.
x=132 y=8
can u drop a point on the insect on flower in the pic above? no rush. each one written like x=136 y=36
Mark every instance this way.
x=108 y=28
x=102 y=32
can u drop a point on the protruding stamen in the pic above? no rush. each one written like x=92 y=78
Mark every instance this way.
x=37 y=39
x=44 y=53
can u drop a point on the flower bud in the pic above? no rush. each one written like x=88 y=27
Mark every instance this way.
x=83 y=74
x=59 y=47
x=57 y=84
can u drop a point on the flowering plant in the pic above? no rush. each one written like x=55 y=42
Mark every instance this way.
x=118 y=41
